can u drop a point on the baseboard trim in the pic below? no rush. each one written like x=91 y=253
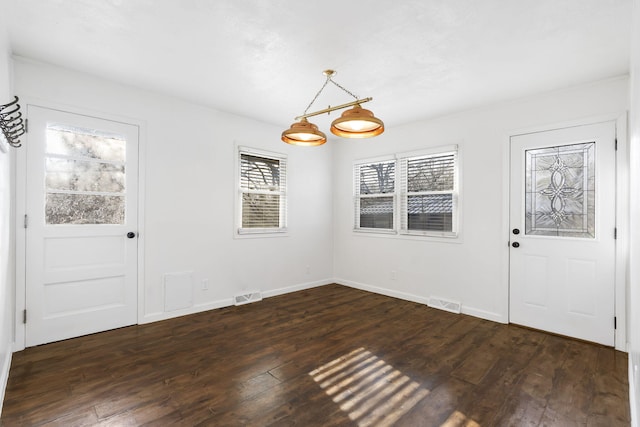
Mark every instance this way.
x=198 y=308
x=296 y=288
x=4 y=375
x=471 y=311
x=227 y=302
x=634 y=403
x=382 y=291
x=483 y=314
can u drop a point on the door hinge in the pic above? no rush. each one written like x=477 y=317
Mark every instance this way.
x=615 y=233
x=26 y=221
x=26 y=125
x=24 y=316
x=616 y=144
x=615 y=322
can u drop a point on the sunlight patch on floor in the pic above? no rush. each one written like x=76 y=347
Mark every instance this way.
x=369 y=390
x=458 y=419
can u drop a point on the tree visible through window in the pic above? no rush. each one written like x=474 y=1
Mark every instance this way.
x=429 y=193
x=84 y=176
x=263 y=192
x=423 y=203
x=375 y=188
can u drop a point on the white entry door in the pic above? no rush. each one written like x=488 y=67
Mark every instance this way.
x=562 y=224
x=81 y=225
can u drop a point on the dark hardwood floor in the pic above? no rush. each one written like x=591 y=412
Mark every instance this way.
x=330 y=356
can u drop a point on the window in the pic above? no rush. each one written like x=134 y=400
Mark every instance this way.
x=262 y=192
x=374 y=185
x=424 y=202
x=428 y=201
x=84 y=176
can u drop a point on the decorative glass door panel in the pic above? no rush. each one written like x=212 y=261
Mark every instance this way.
x=560 y=191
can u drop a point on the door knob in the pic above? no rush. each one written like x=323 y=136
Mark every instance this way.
x=131 y=234
x=516 y=231
x=515 y=244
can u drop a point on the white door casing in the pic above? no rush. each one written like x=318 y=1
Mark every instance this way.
x=562 y=259
x=81 y=202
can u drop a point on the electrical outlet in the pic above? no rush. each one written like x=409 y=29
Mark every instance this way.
x=393 y=275
x=307 y=270
x=205 y=284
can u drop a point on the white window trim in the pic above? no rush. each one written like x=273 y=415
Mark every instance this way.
x=397 y=232
x=259 y=232
x=435 y=151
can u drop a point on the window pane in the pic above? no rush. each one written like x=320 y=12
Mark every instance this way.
x=84 y=209
x=377 y=178
x=76 y=175
x=259 y=173
x=433 y=212
x=77 y=142
x=260 y=210
x=433 y=173
x=263 y=192
x=560 y=191
x=376 y=212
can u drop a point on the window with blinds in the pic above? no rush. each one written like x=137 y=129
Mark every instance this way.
x=262 y=191
x=429 y=194
x=374 y=185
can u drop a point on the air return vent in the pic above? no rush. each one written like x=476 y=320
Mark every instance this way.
x=444 y=304
x=247 y=297
x=178 y=291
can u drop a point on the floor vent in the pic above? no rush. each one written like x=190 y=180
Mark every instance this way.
x=247 y=297
x=444 y=304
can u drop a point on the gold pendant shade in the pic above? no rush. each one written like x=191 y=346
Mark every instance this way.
x=357 y=123
x=304 y=134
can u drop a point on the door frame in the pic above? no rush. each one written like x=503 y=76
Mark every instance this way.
x=621 y=214
x=20 y=179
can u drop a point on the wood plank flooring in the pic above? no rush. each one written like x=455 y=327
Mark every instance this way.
x=329 y=356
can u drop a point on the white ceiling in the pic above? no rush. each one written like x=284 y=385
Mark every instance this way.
x=264 y=58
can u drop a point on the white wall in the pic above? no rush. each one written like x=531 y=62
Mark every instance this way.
x=6 y=234
x=634 y=282
x=472 y=270
x=188 y=171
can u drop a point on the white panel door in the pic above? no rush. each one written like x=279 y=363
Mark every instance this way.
x=81 y=236
x=562 y=223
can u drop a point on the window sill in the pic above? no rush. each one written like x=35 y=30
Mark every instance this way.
x=252 y=233
x=416 y=236
x=375 y=231
x=436 y=234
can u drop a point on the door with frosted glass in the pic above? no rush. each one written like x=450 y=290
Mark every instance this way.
x=81 y=236
x=562 y=224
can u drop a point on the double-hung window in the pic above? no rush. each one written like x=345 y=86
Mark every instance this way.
x=410 y=194
x=374 y=185
x=429 y=193
x=262 y=192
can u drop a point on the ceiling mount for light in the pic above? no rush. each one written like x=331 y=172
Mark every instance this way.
x=354 y=123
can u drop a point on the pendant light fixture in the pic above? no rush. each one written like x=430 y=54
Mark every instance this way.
x=357 y=123
x=354 y=123
x=304 y=133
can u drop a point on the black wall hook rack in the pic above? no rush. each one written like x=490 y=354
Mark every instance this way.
x=11 y=122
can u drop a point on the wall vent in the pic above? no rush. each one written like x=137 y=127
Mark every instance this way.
x=445 y=304
x=247 y=297
x=178 y=291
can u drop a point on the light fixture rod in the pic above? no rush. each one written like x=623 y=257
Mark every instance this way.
x=337 y=107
